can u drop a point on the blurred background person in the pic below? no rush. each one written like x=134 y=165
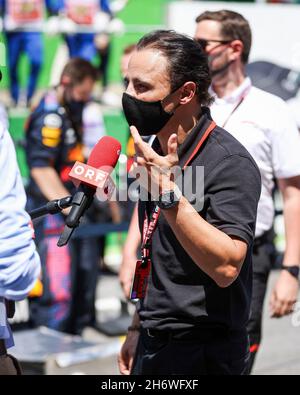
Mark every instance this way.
x=19 y=261
x=23 y=22
x=264 y=125
x=87 y=26
x=103 y=46
x=54 y=142
x=94 y=14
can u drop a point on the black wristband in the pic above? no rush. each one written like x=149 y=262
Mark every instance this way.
x=293 y=270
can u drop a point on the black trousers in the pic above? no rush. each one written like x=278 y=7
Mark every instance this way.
x=262 y=262
x=202 y=354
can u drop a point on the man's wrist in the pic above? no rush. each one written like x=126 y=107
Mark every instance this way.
x=287 y=264
x=167 y=186
x=170 y=198
x=294 y=270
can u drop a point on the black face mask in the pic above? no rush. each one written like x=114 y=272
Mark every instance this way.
x=75 y=108
x=148 y=117
x=75 y=111
x=221 y=69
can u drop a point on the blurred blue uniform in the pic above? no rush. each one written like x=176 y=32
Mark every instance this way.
x=69 y=273
x=82 y=44
x=22 y=28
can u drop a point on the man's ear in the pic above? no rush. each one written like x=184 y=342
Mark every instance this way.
x=237 y=49
x=188 y=92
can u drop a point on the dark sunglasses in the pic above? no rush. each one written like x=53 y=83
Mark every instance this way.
x=205 y=43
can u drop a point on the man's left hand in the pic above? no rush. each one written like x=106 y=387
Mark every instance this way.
x=284 y=295
x=158 y=167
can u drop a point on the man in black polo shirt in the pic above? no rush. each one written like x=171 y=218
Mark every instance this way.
x=192 y=316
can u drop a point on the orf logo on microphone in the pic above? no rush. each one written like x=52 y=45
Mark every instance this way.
x=97 y=178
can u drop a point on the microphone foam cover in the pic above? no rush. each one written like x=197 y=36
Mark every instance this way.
x=105 y=153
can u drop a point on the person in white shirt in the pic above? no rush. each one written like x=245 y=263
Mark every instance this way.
x=19 y=261
x=3 y=116
x=263 y=124
x=294 y=106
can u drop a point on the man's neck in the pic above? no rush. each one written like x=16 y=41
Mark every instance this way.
x=182 y=128
x=224 y=85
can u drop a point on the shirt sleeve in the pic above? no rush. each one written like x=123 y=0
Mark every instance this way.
x=234 y=190
x=4 y=117
x=285 y=140
x=19 y=260
x=43 y=140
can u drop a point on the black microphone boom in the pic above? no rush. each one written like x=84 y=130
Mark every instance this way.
x=53 y=207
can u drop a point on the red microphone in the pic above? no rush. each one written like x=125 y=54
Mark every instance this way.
x=105 y=153
x=96 y=173
x=89 y=178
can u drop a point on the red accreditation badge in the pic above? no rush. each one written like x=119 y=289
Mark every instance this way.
x=140 y=281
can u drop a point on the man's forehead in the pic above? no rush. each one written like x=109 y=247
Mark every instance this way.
x=208 y=29
x=147 y=64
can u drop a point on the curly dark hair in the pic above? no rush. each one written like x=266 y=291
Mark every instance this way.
x=187 y=60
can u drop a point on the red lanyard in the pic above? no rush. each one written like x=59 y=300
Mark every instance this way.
x=236 y=107
x=150 y=224
x=148 y=230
